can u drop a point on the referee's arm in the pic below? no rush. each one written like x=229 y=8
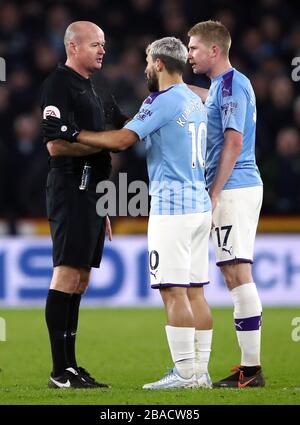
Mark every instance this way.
x=114 y=139
x=59 y=147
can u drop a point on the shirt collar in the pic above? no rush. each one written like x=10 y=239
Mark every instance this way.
x=217 y=77
x=72 y=71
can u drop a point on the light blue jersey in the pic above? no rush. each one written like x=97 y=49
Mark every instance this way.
x=231 y=104
x=173 y=123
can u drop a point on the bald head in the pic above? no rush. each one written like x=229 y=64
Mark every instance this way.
x=80 y=31
x=84 y=43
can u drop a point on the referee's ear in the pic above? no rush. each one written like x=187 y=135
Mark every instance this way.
x=72 y=47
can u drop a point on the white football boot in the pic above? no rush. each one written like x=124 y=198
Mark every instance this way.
x=204 y=381
x=172 y=381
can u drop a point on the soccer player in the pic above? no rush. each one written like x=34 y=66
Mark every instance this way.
x=76 y=229
x=235 y=188
x=172 y=122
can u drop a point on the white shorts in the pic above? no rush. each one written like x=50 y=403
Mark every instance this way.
x=235 y=220
x=178 y=249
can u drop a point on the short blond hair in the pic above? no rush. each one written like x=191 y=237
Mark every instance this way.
x=212 y=32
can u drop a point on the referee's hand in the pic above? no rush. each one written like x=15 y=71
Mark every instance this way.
x=55 y=128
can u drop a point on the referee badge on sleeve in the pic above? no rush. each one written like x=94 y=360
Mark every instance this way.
x=51 y=111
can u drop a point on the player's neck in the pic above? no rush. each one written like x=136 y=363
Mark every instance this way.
x=83 y=72
x=166 y=80
x=219 y=68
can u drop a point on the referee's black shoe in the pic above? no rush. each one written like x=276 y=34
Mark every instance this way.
x=69 y=379
x=88 y=378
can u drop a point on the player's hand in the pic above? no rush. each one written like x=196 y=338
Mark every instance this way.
x=214 y=198
x=55 y=128
x=108 y=229
x=214 y=202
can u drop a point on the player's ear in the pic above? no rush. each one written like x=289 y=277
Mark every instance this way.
x=158 y=65
x=214 y=50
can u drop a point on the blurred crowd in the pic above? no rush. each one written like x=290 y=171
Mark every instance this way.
x=266 y=37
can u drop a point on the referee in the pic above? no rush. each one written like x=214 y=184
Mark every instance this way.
x=77 y=231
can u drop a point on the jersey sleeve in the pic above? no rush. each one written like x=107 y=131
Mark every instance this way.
x=233 y=105
x=55 y=98
x=153 y=114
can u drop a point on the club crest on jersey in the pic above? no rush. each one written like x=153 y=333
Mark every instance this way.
x=51 y=111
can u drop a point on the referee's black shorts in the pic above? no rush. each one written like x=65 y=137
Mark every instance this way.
x=77 y=231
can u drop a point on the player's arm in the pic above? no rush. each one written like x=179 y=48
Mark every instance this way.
x=113 y=139
x=59 y=147
x=233 y=115
x=200 y=91
x=84 y=140
x=233 y=143
x=148 y=119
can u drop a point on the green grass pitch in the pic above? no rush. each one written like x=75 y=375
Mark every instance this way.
x=127 y=348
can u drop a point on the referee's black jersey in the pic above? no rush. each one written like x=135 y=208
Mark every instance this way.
x=71 y=97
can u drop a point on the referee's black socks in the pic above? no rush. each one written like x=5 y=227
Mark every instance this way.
x=72 y=324
x=57 y=312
